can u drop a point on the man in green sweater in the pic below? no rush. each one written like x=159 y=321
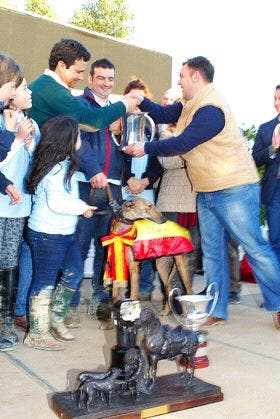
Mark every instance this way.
x=51 y=95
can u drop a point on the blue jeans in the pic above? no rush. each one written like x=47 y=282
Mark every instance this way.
x=50 y=253
x=25 y=278
x=147 y=275
x=272 y=215
x=95 y=227
x=235 y=212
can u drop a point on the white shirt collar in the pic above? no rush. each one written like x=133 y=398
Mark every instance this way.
x=100 y=101
x=56 y=77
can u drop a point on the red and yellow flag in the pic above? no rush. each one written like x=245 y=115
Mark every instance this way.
x=116 y=268
x=155 y=240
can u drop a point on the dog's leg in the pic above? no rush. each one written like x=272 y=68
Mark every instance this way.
x=115 y=294
x=183 y=269
x=134 y=273
x=166 y=270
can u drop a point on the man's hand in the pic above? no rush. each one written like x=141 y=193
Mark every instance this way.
x=14 y=194
x=10 y=119
x=132 y=102
x=116 y=127
x=276 y=138
x=136 y=186
x=99 y=181
x=89 y=212
x=135 y=149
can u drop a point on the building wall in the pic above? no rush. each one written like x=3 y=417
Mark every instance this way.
x=29 y=39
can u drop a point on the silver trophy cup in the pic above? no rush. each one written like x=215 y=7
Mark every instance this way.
x=134 y=125
x=194 y=307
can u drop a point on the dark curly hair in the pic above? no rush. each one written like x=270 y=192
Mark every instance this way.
x=68 y=51
x=58 y=142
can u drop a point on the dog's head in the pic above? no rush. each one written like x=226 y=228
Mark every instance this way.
x=139 y=208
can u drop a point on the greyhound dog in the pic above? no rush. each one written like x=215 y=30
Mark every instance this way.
x=136 y=209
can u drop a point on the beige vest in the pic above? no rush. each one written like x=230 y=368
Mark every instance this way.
x=224 y=161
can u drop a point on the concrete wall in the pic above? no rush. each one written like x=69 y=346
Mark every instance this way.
x=29 y=39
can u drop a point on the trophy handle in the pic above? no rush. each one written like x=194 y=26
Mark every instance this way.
x=152 y=126
x=116 y=141
x=216 y=295
x=170 y=301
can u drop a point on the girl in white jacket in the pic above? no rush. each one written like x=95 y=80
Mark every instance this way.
x=51 y=231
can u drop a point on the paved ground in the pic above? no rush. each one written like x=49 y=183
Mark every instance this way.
x=244 y=361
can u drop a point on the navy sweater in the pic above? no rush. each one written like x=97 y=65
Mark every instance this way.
x=92 y=154
x=207 y=122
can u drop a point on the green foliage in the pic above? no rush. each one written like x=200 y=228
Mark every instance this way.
x=249 y=133
x=110 y=17
x=41 y=7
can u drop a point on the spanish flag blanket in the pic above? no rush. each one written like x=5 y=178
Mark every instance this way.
x=155 y=240
x=148 y=240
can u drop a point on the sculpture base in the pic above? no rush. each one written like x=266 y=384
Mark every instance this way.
x=169 y=394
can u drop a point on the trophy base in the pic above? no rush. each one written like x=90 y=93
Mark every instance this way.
x=170 y=393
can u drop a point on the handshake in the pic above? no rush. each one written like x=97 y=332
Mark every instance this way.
x=132 y=101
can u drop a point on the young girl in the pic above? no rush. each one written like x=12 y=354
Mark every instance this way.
x=11 y=76
x=12 y=218
x=51 y=230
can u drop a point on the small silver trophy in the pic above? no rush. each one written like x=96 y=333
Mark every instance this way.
x=194 y=307
x=194 y=312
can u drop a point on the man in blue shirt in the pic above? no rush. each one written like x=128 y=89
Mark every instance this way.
x=102 y=165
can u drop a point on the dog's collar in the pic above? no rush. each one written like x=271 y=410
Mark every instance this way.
x=120 y=218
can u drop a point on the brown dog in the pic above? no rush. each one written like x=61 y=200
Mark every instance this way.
x=140 y=208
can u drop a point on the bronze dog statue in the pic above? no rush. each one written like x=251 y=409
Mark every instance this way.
x=165 y=342
x=136 y=209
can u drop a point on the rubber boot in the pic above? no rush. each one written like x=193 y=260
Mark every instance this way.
x=59 y=307
x=9 y=294
x=39 y=336
x=72 y=319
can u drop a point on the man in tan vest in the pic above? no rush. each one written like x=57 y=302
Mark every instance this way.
x=224 y=175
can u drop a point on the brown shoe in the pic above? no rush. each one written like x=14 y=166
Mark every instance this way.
x=21 y=322
x=214 y=321
x=276 y=319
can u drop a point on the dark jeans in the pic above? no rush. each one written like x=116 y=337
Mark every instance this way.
x=147 y=276
x=272 y=215
x=25 y=278
x=95 y=227
x=51 y=252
